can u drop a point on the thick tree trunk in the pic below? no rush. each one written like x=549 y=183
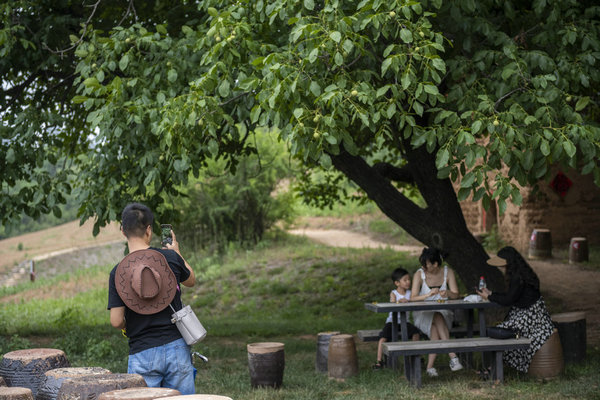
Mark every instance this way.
x=441 y=224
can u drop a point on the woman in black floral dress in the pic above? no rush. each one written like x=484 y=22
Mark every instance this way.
x=528 y=314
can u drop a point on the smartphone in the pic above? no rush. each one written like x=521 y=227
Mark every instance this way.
x=166 y=237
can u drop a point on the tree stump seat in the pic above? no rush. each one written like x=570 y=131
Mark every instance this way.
x=143 y=393
x=15 y=393
x=54 y=379
x=26 y=368
x=92 y=386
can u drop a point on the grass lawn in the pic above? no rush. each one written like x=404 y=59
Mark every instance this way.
x=287 y=290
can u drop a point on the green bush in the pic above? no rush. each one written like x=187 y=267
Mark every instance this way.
x=222 y=208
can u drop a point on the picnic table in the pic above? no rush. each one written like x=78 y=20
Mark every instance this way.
x=402 y=309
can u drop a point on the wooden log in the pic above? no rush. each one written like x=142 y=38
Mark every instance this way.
x=540 y=244
x=26 y=368
x=54 y=379
x=139 y=394
x=92 y=386
x=15 y=393
x=578 y=250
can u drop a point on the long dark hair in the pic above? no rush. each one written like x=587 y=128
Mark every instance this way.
x=516 y=265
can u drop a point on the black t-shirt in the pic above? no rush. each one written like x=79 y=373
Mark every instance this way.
x=147 y=331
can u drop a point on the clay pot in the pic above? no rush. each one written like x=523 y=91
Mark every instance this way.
x=342 y=360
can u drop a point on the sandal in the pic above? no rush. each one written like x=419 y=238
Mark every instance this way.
x=378 y=365
x=485 y=373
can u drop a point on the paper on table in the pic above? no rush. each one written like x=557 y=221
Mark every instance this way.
x=473 y=298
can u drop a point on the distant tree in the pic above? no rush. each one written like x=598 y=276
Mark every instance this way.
x=137 y=96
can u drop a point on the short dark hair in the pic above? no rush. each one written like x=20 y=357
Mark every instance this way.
x=431 y=255
x=398 y=274
x=135 y=218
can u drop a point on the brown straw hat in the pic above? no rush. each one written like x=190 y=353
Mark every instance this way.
x=496 y=261
x=145 y=282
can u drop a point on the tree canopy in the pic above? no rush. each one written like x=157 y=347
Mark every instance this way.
x=129 y=100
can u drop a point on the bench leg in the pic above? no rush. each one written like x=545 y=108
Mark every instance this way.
x=415 y=371
x=498 y=368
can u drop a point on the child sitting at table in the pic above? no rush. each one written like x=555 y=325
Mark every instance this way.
x=401 y=294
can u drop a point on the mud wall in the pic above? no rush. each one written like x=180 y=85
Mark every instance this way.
x=571 y=212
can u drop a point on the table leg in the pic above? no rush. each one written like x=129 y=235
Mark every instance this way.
x=393 y=360
x=482 y=328
x=404 y=332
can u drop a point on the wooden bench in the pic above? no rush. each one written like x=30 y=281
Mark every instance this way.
x=372 y=335
x=413 y=351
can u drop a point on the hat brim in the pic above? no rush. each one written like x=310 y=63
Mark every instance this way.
x=496 y=261
x=123 y=277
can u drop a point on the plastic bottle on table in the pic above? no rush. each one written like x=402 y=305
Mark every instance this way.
x=481 y=283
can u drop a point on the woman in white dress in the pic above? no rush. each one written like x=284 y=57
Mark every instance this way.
x=432 y=282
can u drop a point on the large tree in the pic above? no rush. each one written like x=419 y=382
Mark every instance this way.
x=127 y=100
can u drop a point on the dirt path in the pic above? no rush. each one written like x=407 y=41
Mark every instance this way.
x=577 y=287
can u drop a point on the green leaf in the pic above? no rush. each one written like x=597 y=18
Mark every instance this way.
x=348 y=45
x=124 y=62
x=309 y=4
x=315 y=89
x=312 y=57
x=581 y=103
x=79 y=99
x=476 y=127
x=385 y=65
x=172 y=75
x=224 y=88
x=569 y=147
x=338 y=58
x=298 y=112
x=431 y=89
x=406 y=35
x=10 y=156
x=212 y=11
x=463 y=194
x=406 y=81
x=442 y=158
x=335 y=36
x=545 y=148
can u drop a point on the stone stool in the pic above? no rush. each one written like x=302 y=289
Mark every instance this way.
x=54 y=379
x=198 y=397
x=143 y=393
x=26 y=368
x=15 y=393
x=92 y=386
x=342 y=361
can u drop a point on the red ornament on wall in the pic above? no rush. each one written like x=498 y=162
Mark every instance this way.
x=561 y=184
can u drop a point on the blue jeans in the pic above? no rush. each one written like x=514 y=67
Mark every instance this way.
x=169 y=366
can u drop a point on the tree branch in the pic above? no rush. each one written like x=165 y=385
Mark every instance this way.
x=393 y=173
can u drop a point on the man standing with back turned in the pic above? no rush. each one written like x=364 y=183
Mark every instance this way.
x=140 y=289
